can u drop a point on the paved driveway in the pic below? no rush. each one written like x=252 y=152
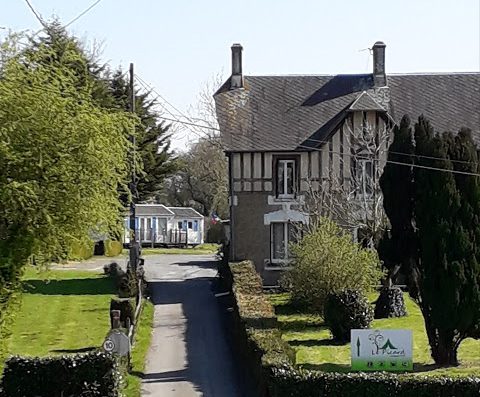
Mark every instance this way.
x=189 y=355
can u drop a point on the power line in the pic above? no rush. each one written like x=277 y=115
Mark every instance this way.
x=177 y=120
x=82 y=13
x=149 y=87
x=360 y=157
x=37 y=15
x=412 y=155
x=188 y=123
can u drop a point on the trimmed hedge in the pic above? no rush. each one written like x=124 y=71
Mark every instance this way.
x=113 y=247
x=290 y=382
x=347 y=310
x=82 y=375
x=390 y=303
x=256 y=336
x=270 y=361
x=81 y=250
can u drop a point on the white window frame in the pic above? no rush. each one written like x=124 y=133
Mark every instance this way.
x=284 y=188
x=287 y=258
x=362 y=179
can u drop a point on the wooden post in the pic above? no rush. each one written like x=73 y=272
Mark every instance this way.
x=115 y=316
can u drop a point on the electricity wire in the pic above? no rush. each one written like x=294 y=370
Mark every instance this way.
x=82 y=13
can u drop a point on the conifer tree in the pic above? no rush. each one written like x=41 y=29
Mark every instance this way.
x=398 y=246
x=152 y=139
x=442 y=251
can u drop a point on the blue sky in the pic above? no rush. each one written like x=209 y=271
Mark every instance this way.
x=178 y=45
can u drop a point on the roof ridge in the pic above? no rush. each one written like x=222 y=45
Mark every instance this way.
x=431 y=73
x=365 y=74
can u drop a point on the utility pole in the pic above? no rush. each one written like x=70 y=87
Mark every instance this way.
x=134 y=245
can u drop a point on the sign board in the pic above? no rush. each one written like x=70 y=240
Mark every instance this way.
x=381 y=350
x=117 y=342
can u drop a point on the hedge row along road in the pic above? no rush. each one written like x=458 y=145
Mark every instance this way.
x=189 y=354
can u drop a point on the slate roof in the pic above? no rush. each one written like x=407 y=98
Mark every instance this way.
x=152 y=210
x=185 y=212
x=278 y=113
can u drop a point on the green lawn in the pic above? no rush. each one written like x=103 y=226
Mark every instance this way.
x=316 y=350
x=203 y=249
x=61 y=312
x=139 y=351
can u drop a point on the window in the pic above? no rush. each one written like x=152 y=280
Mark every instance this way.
x=286 y=178
x=190 y=225
x=364 y=176
x=195 y=226
x=180 y=225
x=281 y=235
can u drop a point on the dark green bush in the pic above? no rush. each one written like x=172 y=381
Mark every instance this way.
x=127 y=311
x=112 y=269
x=127 y=284
x=347 y=310
x=390 y=303
x=86 y=375
x=287 y=381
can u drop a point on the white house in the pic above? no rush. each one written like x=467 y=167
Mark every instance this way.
x=156 y=224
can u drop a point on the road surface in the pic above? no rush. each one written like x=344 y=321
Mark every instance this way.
x=189 y=355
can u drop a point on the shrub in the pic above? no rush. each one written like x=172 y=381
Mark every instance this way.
x=390 y=303
x=327 y=261
x=112 y=269
x=347 y=310
x=127 y=284
x=127 y=311
x=81 y=250
x=290 y=382
x=92 y=374
x=113 y=248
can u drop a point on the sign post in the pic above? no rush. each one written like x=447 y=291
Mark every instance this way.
x=381 y=350
x=117 y=342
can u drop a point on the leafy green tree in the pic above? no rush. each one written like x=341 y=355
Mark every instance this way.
x=327 y=261
x=62 y=156
x=441 y=252
x=154 y=159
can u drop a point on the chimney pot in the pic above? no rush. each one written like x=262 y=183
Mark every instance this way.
x=379 y=76
x=237 y=76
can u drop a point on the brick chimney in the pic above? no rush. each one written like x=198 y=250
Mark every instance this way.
x=379 y=76
x=236 y=80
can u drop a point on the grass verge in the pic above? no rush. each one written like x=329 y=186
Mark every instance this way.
x=139 y=351
x=315 y=348
x=203 y=249
x=60 y=312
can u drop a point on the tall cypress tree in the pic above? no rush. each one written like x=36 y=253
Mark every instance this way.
x=398 y=246
x=442 y=253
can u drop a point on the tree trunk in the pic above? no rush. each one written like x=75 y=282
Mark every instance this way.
x=443 y=344
x=444 y=353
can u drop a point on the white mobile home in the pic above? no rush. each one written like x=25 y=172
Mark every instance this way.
x=156 y=224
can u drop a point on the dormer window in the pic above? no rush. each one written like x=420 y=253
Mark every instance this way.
x=286 y=177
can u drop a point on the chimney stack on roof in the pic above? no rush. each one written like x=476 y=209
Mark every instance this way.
x=237 y=77
x=379 y=76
